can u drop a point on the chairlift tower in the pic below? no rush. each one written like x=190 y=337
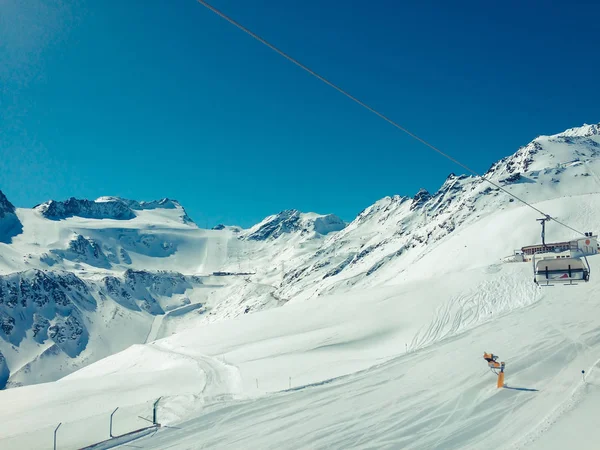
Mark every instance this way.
x=543 y=222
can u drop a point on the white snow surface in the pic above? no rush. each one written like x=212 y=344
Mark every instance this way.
x=368 y=336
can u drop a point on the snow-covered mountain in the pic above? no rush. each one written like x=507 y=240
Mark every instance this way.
x=359 y=315
x=585 y=130
x=293 y=221
x=82 y=267
x=389 y=238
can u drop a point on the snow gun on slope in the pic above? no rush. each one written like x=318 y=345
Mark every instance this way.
x=495 y=366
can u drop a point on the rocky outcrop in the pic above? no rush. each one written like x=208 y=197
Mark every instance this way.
x=112 y=209
x=10 y=225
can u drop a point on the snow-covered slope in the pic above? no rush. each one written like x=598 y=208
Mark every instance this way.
x=391 y=312
x=397 y=366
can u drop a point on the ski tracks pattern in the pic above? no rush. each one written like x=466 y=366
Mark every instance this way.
x=220 y=381
x=487 y=301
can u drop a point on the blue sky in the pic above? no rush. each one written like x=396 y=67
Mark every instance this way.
x=161 y=98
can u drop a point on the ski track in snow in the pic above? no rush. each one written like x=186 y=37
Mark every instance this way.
x=221 y=380
x=464 y=311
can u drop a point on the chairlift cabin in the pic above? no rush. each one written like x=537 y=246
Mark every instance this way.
x=561 y=270
x=550 y=269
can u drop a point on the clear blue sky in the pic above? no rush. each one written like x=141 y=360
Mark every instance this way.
x=161 y=98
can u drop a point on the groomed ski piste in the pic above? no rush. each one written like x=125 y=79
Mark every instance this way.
x=398 y=366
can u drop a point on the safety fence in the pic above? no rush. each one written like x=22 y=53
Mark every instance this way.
x=89 y=431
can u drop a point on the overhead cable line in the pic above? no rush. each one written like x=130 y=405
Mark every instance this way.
x=377 y=113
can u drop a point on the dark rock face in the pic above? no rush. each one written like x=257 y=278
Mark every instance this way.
x=10 y=225
x=138 y=289
x=6 y=207
x=113 y=209
x=339 y=267
x=50 y=304
x=59 y=306
x=86 y=251
x=420 y=199
x=284 y=222
x=512 y=178
x=4 y=372
x=105 y=208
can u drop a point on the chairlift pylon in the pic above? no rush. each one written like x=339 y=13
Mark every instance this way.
x=543 y=223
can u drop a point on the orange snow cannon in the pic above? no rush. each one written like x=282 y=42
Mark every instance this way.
x=495 y=366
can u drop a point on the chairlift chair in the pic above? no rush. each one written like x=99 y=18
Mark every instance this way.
x=551 y=271
x=548 y=271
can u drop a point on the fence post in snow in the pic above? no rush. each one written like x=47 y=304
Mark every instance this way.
x=55 y=430
x=154 y=408
x=111 y=421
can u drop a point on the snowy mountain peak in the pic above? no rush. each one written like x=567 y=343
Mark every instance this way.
x=165 y=203
x=545 y=153
x=452 y=178
x=584 y=131
x=292 y=220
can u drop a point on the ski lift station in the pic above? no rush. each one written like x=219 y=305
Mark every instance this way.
x=587 y=245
